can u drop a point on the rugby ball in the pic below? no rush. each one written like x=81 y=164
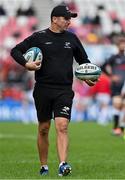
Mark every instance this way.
x=88 y=71
x=33 y=54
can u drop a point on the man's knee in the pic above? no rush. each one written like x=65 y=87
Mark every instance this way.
x=44 y=129
x=62 y=128
x=117 y=102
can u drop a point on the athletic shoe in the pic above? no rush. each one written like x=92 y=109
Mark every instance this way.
x=64 y=169
x=117 y=132
x=44 y=171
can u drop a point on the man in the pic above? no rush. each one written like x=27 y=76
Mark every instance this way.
x=115 y=68
x=53 y=93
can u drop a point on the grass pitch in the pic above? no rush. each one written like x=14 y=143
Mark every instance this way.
x=94 y=153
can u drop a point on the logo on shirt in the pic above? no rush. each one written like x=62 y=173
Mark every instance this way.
x=43 y=31
x=67 y=45
x=49 y=42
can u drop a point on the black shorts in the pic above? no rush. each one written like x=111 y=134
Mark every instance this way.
x=51 y=103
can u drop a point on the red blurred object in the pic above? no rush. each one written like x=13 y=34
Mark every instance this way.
x=102 y=86
x=13 y=93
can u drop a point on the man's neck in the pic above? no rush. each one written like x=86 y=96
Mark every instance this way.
x=122 y=52
x=55 y=29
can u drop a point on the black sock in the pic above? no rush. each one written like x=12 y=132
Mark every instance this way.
x=122 y=129
x=116 y=121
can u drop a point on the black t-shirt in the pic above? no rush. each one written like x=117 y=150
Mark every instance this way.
x=58 y=50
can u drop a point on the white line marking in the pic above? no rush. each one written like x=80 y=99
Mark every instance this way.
x=15 y=136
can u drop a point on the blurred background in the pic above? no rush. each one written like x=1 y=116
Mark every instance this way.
x=98 y=26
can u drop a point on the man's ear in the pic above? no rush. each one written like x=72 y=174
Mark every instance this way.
x=54 y=19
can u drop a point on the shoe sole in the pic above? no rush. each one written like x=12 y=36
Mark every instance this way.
x=44 y=174
x=66 y=172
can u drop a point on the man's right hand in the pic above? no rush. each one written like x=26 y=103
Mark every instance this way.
x=33 y=66
x=90 y=82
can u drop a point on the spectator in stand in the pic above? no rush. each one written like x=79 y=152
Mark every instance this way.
x=115 y=68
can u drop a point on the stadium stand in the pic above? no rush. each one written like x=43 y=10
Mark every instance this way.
x=99 y=21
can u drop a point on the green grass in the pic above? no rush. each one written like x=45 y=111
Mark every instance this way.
x=94 y=153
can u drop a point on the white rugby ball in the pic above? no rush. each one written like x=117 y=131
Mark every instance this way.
x=33 y=54
x=88 y=71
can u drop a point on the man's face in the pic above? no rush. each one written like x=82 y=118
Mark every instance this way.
x=62 y=23
x=121 y=46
